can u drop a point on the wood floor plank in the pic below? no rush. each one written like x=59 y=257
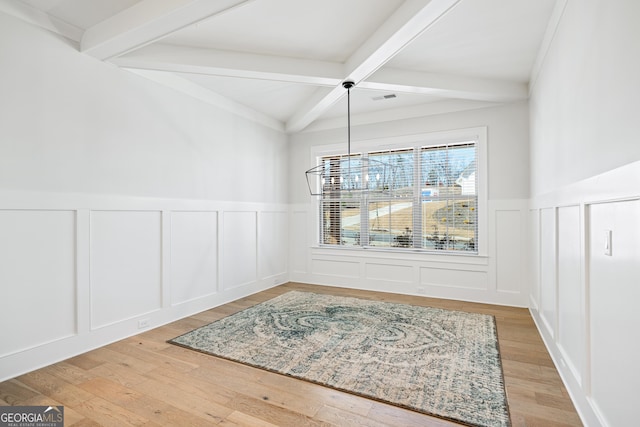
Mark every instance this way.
x=241 y=419
x=322 y=395
x=393 y=416
x=144 y=381
x=142 y=404
x=14 y=392
x=336 y=416
x=70 y=373
x=109 y=414
x=263 y=410
x=197 y=403
x=191 y=385
x=54 y=387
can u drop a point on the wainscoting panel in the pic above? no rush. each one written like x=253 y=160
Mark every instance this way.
x=343 y=269
x=548 y=285
x=79 y=271
x=454 y=278
x=571 y=340
x=534 y=257
x=298 y=242
x=497 y=276
x=389 y=272
x=126 y=270
x=594 y=345
x=614 y=315
x=273 y=230
x=240 y=253
x=37 y=276
x=509 y=262
x=194 y=255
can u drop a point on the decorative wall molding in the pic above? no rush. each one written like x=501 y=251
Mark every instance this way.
x=578 y=294
x=109 y=267
x=471 y=278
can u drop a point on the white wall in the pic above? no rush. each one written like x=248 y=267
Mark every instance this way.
x=585 y=176
x=122 y=201
x=498 y=277
x=71 y=123
x=584 y=101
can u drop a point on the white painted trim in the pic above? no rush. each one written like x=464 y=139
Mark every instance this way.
x=535 y=304
x=410 y=20
x=408 y=259
x=429 y=258
x=165 y=245
x=83 y=271
x=620 y=184
x=478 y=134
x=585 y=295
x=85 y=337
x=581 y=402
x=212 y=62
x=146 y=22
x=34 y=200
x=615 y=185
x=549 y=35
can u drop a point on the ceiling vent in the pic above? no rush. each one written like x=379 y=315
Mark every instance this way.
x=380 y=98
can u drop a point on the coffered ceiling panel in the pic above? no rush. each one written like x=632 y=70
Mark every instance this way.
x=493 y=39
x=328 y=30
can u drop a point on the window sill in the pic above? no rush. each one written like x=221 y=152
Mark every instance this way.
x=401 y=254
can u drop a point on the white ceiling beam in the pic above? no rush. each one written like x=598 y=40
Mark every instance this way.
x=180 y=59
x=407 y=23
x=476 y=89
x=146 y=22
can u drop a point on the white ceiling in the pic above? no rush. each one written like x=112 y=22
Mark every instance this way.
x=285 y=60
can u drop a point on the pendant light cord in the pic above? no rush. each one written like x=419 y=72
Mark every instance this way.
x=349 y=121
x=348 y=85
x=349 y=132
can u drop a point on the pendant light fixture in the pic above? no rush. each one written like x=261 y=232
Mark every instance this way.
x=355 y=174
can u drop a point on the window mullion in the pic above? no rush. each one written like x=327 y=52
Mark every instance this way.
x=364 y=204
x=417 y=196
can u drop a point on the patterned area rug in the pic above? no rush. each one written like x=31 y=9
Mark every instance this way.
x=439 y=362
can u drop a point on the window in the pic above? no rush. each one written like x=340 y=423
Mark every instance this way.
x=433 y=205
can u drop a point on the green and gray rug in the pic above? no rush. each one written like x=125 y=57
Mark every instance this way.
x=439 y=362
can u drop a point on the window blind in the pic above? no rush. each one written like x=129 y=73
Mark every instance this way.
x=431 y=207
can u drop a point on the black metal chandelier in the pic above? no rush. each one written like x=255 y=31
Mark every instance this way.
x=351 y=174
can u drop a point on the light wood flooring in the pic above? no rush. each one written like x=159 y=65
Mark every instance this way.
x=143 y=381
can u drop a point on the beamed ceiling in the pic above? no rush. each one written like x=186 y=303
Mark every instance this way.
x=283 y=61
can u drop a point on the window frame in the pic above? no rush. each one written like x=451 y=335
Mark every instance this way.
x=477 y=134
